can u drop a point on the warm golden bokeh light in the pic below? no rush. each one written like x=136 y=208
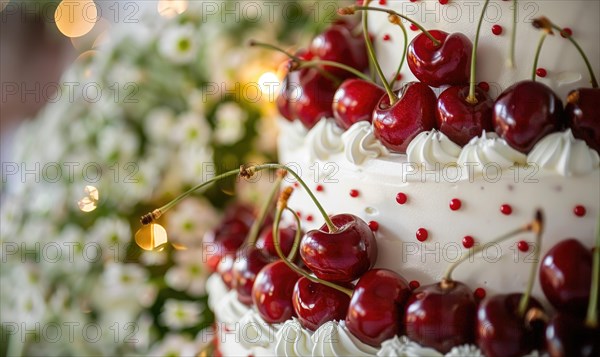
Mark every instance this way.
x=171 y=8
x=75 y=18
x=90 y=201
x=269 y=84
x=151 y=236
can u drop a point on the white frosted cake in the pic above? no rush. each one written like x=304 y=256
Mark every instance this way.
x=429 y=205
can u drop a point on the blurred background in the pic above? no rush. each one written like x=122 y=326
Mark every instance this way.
x=110 y=108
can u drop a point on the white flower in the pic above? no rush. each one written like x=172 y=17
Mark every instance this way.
x=188 y=222
x=159 y=123
x=174 y=346
x=179 y=44
x=178 y=314
x=188 y=273
x=191 y=128
x=117 y=143
x=230 y=123
x=196 y=164
x=153 y=257
x=196 y=100
x=111 y=234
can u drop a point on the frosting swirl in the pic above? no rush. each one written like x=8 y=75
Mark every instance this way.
x=229 y=309
x=465 y=350
x=254 y=331
x=324 y=139
x=432 y=149
x=565 y=155
x=489 y=149
x=333 y=339
x=293 y=340
x=402 y=346
x=360 y=143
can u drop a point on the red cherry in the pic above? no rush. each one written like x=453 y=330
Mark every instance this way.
x=355 y=101
x=582 y=113
x=422 y=234
x=441 y=317
x=502 y=332
x=541 y=72
x=479 y=293
x=526 y=112
x=249 y=261
x=523 y=246
x=579 y=211
x=414 y=284
x=354 y=193
x=468 y=242
x=449 y=63
x=566 y=275
x=286 y=236
x=568 y=335
x=506 y=209
x=341 y=256
x=401 y=198
x=460 y=120
x=377 y=305
x=316 y=304
x=497 y=30
x=374 y=226
x=223 y=240
x=272 y=292
x=414 y=112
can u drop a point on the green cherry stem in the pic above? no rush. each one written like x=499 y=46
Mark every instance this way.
x=513 y=37
x=591 y=319
x=396 y=20
x=264 y=210
x=538 y=229
x=471 y=97
x=312 y=63
x=537 y=54
x=281 y=206
x=298 y=235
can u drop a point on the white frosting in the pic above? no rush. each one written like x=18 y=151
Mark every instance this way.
x=333 y=339
x=403 y=347
x=432 y=149
x=563 y=154
x=293 y=340
x=253 y=331
x=324 y=139
x=229 y=309
x=465 y=350
x=216 y=289
x=486 y=151
x=360 y=143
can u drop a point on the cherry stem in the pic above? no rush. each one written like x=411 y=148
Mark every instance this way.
x=297 y=236
x=471 y=98
x=537 y=55
x=538 y=229
x=257 y=224
x=592 y=312
x=246 y=172
x=281 y=206
x=373 y=57
x=448 y=275
x=313 y=63
x=396 y=20
x=513 y=37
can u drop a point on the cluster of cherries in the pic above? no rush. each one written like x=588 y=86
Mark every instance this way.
x=522 y=115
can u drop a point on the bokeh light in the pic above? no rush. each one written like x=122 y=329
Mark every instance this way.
x=75 y=18
x=90 y=201
x=269 y=84
x=151 y=236
x=171 y=8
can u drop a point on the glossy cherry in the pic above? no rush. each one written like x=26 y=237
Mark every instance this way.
x=377 y=306
x=223 y=240
x=568 y=335
x=566 y=276
x=502 y=332
x=582 y=113
x=225 y=270
x=355 y=101
x=249 y=261
x=526 y=112
x=272 y=292
x=286 y=236
x=460 y=120
x=343 y=255
x=316 y=304
x=447 y=63
x=414 y=112
x=441 y=315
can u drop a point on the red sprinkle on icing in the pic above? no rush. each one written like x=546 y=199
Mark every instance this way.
x=579 y=211
x=382 y=2
x=309 y=218
x=354 y=193
x=399 y=76
x=413 y=0
x=320 y=188
x=443 y=2
x=497 y=30
x=299 y=214
x=387 y=37
x=468 y=242
x=541 y=72
x=523 y=246
x=374 y=226
x=413 y=27
x=566 y=32
x=479 y=293
x=455 y=204
x=485 y=86
x=296 y=184
x=506 y=209
x=422 y=234
x=414 y=284
x=401 y=198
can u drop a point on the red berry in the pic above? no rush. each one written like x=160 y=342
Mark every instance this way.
x=523 y=246
x=382 y=2
x=566 y=32
x=374 y=226
x=414 y=27
x=506 y=209
x=309 y=218
x=579 y=211
x=387 y=37
x=443 y=2
x=455 y=204
x=354 y=193
x=401 y=198
x=485 y=86
x=479 y=293
x=468 y=242
x=413 y=0
x=414 y=284
x=422 y=234
x=541 y=72
x=320 y=188
x=497 y=30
